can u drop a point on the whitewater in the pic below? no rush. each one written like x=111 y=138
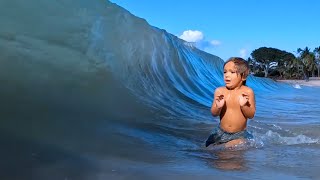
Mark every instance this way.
x=90 y=91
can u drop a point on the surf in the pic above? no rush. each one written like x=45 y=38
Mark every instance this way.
x=86 y=84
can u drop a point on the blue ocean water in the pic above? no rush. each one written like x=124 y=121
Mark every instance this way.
x=91 y=91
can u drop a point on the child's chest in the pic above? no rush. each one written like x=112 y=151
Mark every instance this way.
x=232 y=99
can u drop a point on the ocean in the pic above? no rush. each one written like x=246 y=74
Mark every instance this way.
x=90 y=91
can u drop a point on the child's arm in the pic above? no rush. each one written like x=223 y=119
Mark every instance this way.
x=218 y=102
x=248 y=104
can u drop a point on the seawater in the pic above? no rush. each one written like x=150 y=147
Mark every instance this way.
x=90 y=91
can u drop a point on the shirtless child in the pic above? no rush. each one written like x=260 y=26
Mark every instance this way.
x=234 y=103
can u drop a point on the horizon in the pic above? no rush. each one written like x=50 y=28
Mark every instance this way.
x=219 y=29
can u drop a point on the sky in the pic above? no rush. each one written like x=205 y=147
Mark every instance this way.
x=229 y=28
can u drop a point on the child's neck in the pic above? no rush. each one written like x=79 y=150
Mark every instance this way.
x=235 y=89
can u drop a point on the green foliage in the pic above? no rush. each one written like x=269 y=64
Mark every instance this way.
x=268 y=58
x=266 y=55
x=308 y=60
x=267 y=61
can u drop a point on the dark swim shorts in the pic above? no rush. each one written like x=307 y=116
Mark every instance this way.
x=220 y=136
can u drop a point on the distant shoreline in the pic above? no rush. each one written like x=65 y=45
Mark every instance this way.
x=311 y=82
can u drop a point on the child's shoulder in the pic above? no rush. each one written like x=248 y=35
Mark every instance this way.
x=247 y=89
x=220 y=89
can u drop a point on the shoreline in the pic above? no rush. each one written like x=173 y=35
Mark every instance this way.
x=313 y=82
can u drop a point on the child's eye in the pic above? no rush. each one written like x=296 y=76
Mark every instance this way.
x=224 y=72
x=233 y=72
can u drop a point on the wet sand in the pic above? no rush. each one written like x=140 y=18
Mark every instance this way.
x=311 y=82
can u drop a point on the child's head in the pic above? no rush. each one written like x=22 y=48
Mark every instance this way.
x=239 y=67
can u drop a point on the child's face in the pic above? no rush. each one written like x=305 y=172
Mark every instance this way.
x=231 y=76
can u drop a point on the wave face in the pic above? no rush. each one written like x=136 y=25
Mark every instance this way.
x=89 y=87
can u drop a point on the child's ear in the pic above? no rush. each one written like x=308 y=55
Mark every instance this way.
x=244 y=75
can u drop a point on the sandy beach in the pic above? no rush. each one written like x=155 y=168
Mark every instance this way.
x=313 y=81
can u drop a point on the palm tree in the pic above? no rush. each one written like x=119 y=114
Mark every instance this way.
x=316 y=51
x=286 y=65
x=291 y=68
x=308 y=61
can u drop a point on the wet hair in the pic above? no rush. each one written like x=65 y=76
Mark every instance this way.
x=242 y=66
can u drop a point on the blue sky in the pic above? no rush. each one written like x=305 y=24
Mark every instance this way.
x=232 y=27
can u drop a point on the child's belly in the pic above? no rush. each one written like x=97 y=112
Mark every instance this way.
x=233 y=121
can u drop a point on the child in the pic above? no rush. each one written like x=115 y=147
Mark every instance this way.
x=234 y=103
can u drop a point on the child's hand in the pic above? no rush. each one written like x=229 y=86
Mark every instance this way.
x=220 y=100
x=243 y=99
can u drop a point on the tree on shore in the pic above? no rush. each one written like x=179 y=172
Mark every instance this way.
x=267 y=61
x=271 y=58
x=308 y=61
x=287 y=65
x=255 y=67
x=292 y=70
x=316 y=51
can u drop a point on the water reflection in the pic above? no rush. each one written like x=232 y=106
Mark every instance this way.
x=229 y=160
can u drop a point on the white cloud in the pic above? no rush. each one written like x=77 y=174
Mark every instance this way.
x=192 y=36
x=199 y=41
x=215 y=42
x=243 y=53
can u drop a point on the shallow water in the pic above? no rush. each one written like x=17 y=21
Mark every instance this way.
x=90 y=91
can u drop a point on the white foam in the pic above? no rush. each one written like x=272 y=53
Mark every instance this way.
x=299 y=139
x=297 y=86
